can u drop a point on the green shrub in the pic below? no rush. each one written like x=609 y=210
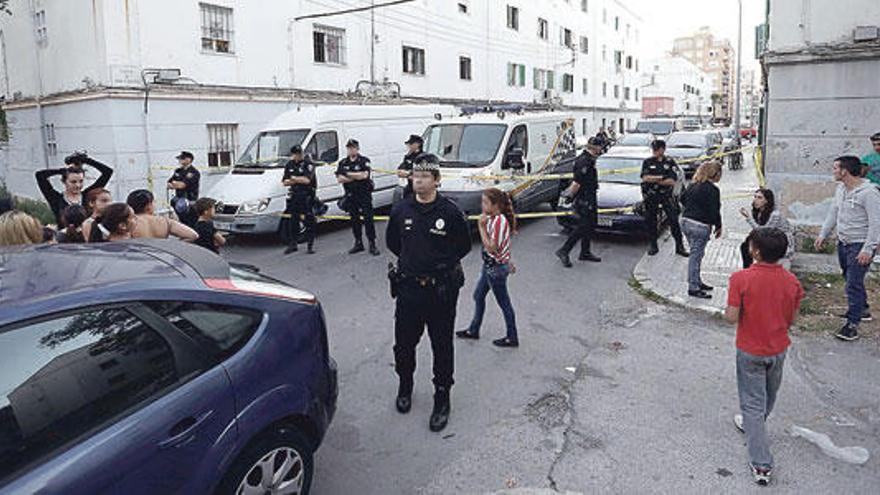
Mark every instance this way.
x=34 y=207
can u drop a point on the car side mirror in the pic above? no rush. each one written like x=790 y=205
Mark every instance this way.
x=514 y=159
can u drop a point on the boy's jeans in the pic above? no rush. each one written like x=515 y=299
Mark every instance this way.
x=758 y=379
x=854 y=273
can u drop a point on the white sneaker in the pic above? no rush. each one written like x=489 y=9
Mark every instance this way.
x=761 y=475
x=738 y=422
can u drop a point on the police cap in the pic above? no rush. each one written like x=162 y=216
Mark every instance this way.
x=414 y=139
x=352 y=143
x=296 y=149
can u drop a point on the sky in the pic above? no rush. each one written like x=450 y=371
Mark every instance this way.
x=665 y=20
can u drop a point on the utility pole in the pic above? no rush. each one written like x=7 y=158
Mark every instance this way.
x=373 y=41
x=738 y=117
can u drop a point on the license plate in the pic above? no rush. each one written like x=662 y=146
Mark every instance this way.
x=222 y=226
x=605 y=222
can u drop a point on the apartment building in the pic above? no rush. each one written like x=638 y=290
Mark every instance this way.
x=134 y=82
x=718 y=59
x=675 y=86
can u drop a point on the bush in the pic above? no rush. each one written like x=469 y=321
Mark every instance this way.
x=34 y=207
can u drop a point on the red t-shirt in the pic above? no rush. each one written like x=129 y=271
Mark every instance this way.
x=768 y=296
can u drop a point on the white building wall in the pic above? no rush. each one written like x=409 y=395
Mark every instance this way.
x=667 y=76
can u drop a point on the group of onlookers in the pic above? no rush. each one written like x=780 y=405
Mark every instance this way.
x=89 y=215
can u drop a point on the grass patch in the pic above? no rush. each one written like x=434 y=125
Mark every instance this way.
x=825 y=299
x=645 y=292
x=808 y=246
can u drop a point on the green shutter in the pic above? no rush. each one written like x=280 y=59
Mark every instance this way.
x=551 y=79
x=522 y=75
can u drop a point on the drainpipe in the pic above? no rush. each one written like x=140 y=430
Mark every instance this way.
x=39 y=73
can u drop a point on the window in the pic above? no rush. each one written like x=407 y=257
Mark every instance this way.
x=617 y=23
x=585 y=86
x=544 y=79
x=329 y=45
x=604 y=16
x=464 y=68
x=222 y=144
x=565 y=37
x=637 y=64
x=519 y=139
x=216 y=28
x=464 y=145
x=413 y=61
x=618 y=57
x=585 y=44
x=585 y=7
x=513 y=17
x=626 y=93
x=462 y=8
x=323 y=147
x=516 y=74
x=616 y=91
x=629 y=62
x=604 y=90
x=65 y=376
x=543 y=29
x=51 y=142
x=637 y=94
x=604 y=53
x=40 y=29
x=567 y=83
x=221 y=329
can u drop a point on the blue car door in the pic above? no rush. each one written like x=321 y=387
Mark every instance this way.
x=111 y=400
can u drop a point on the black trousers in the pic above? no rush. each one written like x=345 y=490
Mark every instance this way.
x=301 y=213
x=653 y=206
x=746 y=254
x=587 y=217
x=418 y=308
x=362 y=206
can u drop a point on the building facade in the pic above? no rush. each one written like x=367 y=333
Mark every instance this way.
x=822 y=98
x=134 y=82
x=717 y=58
x=680 y=82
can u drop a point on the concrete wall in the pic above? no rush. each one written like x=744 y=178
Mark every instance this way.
x=795 y=24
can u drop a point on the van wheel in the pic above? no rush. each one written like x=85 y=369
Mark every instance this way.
x=280 y=461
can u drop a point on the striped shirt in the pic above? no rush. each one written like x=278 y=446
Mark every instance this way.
x=498 y=230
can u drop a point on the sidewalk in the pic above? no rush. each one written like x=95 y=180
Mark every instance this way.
x=666 y=274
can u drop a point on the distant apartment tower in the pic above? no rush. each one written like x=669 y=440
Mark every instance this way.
x=675 y=87
x=821 y=66
x=717 y=58
x=137 y=81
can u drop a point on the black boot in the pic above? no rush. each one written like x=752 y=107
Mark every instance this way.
x=291 y=249
x=404 y=395
x=310 y=249
x=680 y=250
x=358 y=248
x=563 y=257
x=440 y=414
x=588 y=256
x=653 y=250
x=373 y=249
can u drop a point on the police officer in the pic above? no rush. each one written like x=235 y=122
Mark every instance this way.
x=404 y=171
x=429 y=234
x=659 y=176
x=582 y=193
x=353 y=172
x=299 y=176
x=185 y=183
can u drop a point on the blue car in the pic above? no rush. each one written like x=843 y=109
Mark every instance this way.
x=620 y=193
x=148 y=367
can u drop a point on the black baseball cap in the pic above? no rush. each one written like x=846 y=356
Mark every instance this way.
x=296 y=149
x=185 y=154
x=414 y=139
x=352 y=143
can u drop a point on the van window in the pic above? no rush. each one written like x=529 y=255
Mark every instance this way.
x=519 y=138
x=62 y=377
x=464 y=145
x=324 y=147
x=271 y=149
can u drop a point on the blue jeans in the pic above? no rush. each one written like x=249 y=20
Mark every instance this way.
x=493 y=278
x=757 y=380
x=698 y=236
x=854 y=273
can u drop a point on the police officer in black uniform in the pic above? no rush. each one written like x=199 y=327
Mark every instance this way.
x=659 y=176
x=429 y=234
x=582 y=193
x=404 y=171
x=299 y=176
x=185 y=183
x=353 y=172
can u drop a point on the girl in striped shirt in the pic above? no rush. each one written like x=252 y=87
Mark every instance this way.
x=497 y=225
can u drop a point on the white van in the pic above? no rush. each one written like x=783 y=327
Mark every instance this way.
x=251 y=197
x=501 y=144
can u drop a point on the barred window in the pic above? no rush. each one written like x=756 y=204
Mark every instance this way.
x=51 y=141
x=329 y=45
x=413 y=61
x=217 y=30
x=567 y=83
x=464 y=68
x=41 y=32
x=222 y=144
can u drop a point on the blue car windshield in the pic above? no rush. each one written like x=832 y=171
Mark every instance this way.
x=618 y=169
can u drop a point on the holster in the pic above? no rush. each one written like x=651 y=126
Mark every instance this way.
x=394 y=280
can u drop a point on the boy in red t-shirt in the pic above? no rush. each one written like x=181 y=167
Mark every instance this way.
x=763 y=301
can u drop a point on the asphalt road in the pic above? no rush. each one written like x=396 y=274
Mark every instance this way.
x=608 y=392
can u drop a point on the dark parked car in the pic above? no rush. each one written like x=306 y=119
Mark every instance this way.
x=146 y=367
x=684 y=147
x=620 y=193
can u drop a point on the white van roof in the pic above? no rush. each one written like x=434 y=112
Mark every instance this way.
x=509 y=118
x=307 y=115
